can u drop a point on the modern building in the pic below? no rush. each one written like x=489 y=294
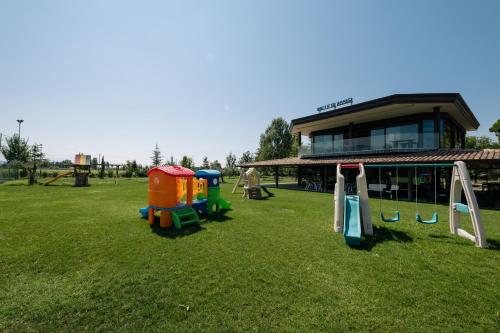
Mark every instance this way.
x=401 y=128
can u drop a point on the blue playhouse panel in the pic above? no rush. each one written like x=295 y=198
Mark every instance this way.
x=200 y=206
x=212 y=177
x=144 y=212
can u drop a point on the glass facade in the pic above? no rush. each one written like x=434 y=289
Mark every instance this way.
x=428 y=137
x=377 y=138
x=445 y=134
x=338 y=143
x=405 y=136
x=322 y=144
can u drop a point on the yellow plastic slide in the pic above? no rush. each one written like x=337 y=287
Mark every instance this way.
x=64 y=174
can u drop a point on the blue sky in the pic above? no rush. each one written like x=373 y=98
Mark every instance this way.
x=206 y=77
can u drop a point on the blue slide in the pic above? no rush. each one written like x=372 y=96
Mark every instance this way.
x=352 y=220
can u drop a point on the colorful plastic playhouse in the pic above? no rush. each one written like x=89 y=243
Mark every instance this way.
x=180 y=198
x=215 y=201
x=171 y=193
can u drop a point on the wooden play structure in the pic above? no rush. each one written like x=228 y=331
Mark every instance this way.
x=81 y=171
x=252 y=187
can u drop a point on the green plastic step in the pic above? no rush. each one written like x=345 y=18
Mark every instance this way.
x=184 y=217
x=184 y=212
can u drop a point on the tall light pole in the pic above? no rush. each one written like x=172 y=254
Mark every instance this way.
x=20 y=121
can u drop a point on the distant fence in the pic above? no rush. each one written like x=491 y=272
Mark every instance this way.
x=7 y=173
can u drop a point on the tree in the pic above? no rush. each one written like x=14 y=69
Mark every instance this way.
x=230 y=164
x=216 y=165
x=94 y=163
x=35 y=159
x=66 y=163
x=157 y=157
x=103 y=165
x=294 y=150
x=205 y=163
x=16 y=152
x=187 y=162
x=231 y=160
x=276 y=141
x=495 y=128
x=134 y=166
x=171 y=161
x=247 y=157
x=482 y=142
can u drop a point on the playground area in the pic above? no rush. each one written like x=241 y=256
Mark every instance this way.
x=82 y=259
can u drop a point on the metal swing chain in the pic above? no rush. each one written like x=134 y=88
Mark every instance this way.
x=397 y=188
x=416 y=190
x=380 y=189
x=435 y=189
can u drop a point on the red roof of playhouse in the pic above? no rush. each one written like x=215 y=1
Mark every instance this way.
x=173 y=170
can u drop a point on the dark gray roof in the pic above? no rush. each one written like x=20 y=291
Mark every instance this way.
x=455 y=98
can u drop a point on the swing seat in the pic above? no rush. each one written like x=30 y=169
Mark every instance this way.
x=434 y=219
x=396 y=217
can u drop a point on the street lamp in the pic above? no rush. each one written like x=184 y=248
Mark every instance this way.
x=20 y=121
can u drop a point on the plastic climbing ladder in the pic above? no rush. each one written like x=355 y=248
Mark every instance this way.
x=184 y=217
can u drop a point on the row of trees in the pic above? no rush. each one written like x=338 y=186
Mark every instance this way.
x=276 y=142
x=484 y=142
x=24 y=158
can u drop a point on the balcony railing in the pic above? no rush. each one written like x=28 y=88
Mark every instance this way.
x=407 y=142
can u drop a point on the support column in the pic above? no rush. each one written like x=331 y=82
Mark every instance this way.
x=299 y=176
x=439 y=174
x=437 y=126
x=453 y=138
x=324 y=178
x=349 y=132
x=276 y=176
x=410 y=183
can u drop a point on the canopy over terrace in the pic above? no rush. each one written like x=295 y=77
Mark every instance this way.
x=477 y=158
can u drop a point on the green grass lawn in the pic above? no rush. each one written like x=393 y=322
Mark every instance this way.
x=81 y=259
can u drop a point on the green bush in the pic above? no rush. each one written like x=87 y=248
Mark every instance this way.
x=45 y=174
x=55 y=174
x=23 y=173
x=141 y=172
x=111 y=173
x=128 y=174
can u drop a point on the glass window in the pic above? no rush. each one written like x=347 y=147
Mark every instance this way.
x=445 y=134
x=338 y=142
x=428 y=134
x=458 y=139
x=323 y=144
x=402 y=137
x=377 y=139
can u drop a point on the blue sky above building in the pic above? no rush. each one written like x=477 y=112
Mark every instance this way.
x=205 y=78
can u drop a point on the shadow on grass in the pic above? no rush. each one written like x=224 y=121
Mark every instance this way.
x=493 y=244
x=173 y=232
x=383 y=234
x=220 y=217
